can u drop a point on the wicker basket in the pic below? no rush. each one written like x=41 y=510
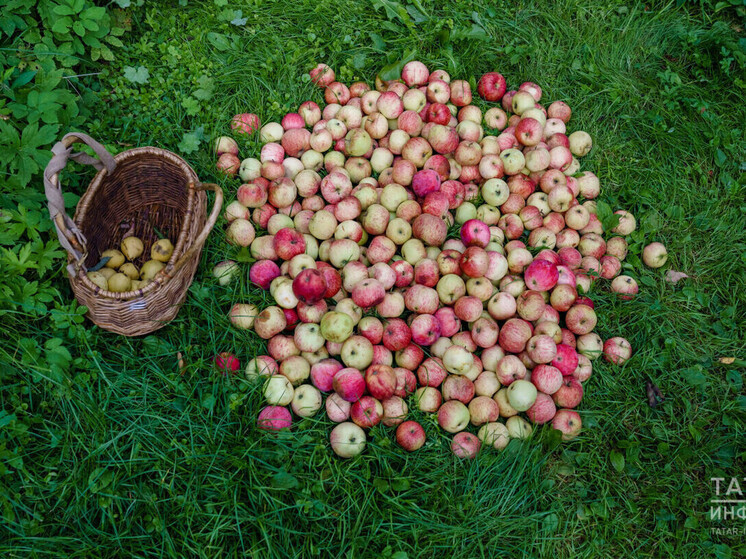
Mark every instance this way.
x=138 y=192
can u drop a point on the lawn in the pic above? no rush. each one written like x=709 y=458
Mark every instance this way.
x=108 y=450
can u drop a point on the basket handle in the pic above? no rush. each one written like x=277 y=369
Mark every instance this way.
x=171 y=270
x=70 y=237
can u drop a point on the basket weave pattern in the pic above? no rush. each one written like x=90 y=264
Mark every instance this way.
x=150 y=193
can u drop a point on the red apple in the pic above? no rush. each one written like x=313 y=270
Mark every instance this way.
x=491 y=86
x=381 y=381
x=366 y=412
x=410 y=436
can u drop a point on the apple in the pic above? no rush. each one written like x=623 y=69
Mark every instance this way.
x=421 y=299
x=566 y=359
x=270 y=322
x=431 y=372
x=425 y=329
x=475 y=233
x=296 y=369
x=617 y=350
x=509 y=369
x=529 y=132
x=337 y=409
x=474 y=262
x=483 y=409
x=307 y=401
x=580 y=143
x=625 y=286
x=274 y=418
x=347 y=440
x=617 y=246
x=506 y=410
x=428 y=399
x=357 y=352
x=513 y=161
x=349 y=384
x=541 y=349
x=543 y=409
x=309 y=286
x=262 y=365
x=380 y=381
x=541 y=275
x=495 y=434
x=410 y=436
x=406 y=381
x=568 y=423
x=453 y=416
x=580 y=319
x=484 y=332
x=322 y=373
x=514 y=335
x=521 y=395
x=227 y=362
x=278 y=390
x=547 y=379
x=518 y=428
x=366 y=412
x=569 y=394
x=590 y=345
x=491 y=86
x=465 y=445
x=468 y=308
x=426 y=273
x=394 y=411
x=655 y=255
x=368 y=293
x=486 y=384
x=457 y=387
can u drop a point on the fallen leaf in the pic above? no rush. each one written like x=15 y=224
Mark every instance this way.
x=674 y=277
x=181 y=363
x=727 y=360
x=653 y=393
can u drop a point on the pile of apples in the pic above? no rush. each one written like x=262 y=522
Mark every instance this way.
x=423 y=253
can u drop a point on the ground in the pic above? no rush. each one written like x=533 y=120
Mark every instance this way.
x=106 y=450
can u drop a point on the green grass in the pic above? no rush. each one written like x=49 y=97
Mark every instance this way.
x=123 y=456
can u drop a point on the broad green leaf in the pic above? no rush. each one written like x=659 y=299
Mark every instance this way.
x=23 y=79
x=284 y=480
x=693 y=375
x=62 y=10
x=136 y=75
x=62 y=25
x=219 y=41
x=191 y=105
x=617 y=460
x=189 y=143
x=206 y=88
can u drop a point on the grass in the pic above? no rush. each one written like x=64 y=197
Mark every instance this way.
x=127 y=457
